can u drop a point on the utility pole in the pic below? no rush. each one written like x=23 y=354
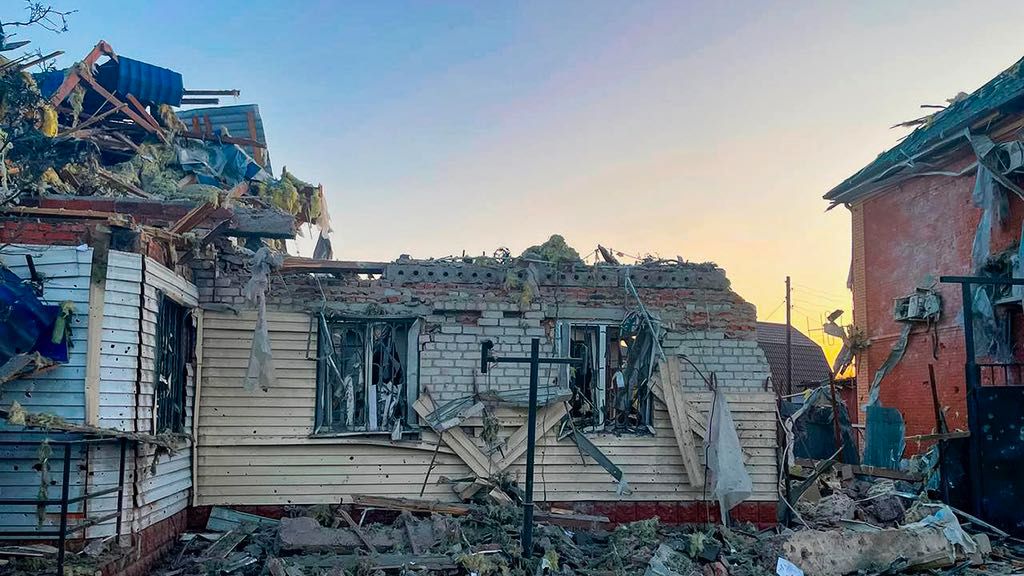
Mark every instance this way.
x=534 y=360
x=789 y=338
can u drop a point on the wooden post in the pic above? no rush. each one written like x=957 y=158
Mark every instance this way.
x=94 y=343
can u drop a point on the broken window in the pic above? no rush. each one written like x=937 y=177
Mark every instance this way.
x=604 y=396
x=367 y=376
x=175 y=348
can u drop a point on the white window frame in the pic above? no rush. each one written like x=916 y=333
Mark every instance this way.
x=321 y=428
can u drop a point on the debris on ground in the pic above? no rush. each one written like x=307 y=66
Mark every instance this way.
x=406 y=536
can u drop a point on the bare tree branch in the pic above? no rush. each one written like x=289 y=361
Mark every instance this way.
x=43 y=15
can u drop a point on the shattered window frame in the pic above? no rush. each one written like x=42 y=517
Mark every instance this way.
x=607 y=407
x=174 y=343
x=351 y=373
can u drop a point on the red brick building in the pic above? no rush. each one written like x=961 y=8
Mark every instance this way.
x=914 y=220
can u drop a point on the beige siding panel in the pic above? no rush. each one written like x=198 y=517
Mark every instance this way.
x=255 y=447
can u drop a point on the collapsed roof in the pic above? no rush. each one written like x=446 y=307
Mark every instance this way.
x=107 y=127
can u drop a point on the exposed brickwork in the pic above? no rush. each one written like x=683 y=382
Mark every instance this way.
x=706 y=322
x=20 y=230
x=149 y=547
x=921 y=229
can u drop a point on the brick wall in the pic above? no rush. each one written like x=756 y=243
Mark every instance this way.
x=706 y=322
x=20 y=230
x=921 y=229
x=148 y=547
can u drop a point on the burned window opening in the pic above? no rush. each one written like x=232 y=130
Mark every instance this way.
x=610 y=391
x=367 y=376
x=175 y=348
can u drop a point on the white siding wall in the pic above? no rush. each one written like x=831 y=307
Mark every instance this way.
x=126 y=398
x=126 y=389
x=61 y=391
x=168 y=490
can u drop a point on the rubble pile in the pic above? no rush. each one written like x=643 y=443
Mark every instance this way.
x=484 y=541
x=398 y=536
x=87 y=131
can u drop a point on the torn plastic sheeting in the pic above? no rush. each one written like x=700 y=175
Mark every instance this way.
x=944 y=519
x=814 y=430
x=895 y=355
x=730 y=481
x=991 y=199
x=261 y=360
x=1018 y=267
x=986 y=340
x=28 y=324
x=214 y=163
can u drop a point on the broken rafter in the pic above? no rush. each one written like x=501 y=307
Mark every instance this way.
x=195 y=217
x=72 y=79
x=142 y=122
x=111 y=178
x=59 y=212
x=148 y=118
x=35 y=61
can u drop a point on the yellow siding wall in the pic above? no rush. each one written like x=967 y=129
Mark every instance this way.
x=255 y=447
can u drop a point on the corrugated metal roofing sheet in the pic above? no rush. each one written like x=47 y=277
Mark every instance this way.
x=235 y=119
x=150 y=84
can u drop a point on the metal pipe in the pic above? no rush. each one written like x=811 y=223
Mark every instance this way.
x=789 y=339
x=531 y=437
x=973 y=376
x=120 y=485
x=64 y=489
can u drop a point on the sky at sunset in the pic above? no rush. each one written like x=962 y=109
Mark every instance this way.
x=708 y=130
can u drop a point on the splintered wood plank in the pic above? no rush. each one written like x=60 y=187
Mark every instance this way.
x=547 y=418
x=679 y=415
x=456 y=439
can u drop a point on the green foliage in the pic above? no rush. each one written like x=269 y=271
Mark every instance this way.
x=555 y=250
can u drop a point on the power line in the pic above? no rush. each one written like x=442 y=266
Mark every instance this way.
x=821 y=299
x=823 y=293
x=777 y=308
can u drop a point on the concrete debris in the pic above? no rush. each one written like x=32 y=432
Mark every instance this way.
x=834 y=507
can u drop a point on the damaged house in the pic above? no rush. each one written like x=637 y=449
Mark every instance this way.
x=167 y=356
x=376 y=385
x=107 y=199
x=944 y=204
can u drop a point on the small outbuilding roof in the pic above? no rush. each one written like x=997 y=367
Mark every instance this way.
x=809 y=364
